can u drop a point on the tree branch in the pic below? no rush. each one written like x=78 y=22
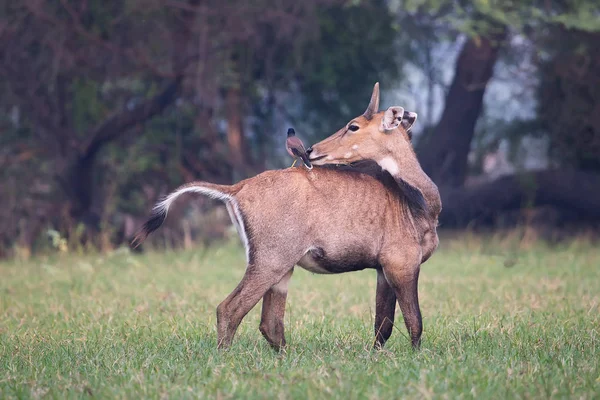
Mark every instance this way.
x=117 y=124
x=572 y=190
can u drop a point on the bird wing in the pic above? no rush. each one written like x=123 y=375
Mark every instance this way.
x=295 y=144
x=296 y=147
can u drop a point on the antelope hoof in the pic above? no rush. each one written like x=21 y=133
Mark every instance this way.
x=280 y=348
x=416 y=344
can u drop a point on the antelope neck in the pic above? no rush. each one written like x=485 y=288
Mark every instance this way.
x=409 y=169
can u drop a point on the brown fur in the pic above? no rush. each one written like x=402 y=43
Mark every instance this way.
x=331 y=220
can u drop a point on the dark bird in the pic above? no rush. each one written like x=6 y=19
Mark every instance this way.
x=295 y=148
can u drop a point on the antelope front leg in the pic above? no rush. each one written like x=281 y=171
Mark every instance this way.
x=402 y=273
x=408 y=299
x=255 y=283
x=273 y=311
x=385 y=309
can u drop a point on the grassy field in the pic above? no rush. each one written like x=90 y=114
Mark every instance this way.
x=500 y=321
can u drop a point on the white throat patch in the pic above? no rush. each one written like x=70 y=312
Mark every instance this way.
x=390 y=165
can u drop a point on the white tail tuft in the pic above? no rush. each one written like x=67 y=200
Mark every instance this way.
x=163 y=206
x=161 y=209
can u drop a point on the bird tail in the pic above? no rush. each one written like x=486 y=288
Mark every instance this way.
x=303 y=156
x=160 y=210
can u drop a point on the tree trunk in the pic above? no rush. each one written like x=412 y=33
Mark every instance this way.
x=238 y=152
x=79 y=185
x=77 y=179
x=444 y=155
x=571 y=191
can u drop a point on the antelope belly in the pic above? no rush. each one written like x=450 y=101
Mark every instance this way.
x=310 y=263
x=317 y=262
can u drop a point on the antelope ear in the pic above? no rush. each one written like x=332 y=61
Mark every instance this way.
x=392 y=118
x=408 y=119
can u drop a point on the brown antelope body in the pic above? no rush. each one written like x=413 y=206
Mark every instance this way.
x=331 y=220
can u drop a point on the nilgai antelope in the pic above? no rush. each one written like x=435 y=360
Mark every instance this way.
x=341 y=216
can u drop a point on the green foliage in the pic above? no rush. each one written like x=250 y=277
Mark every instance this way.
x=57 y=241
x=87 y=106
x=500 y=321
x=474 y=17
x=582 y=15
x=356 y=47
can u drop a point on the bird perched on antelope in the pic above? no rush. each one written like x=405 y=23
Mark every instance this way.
x=296 y=149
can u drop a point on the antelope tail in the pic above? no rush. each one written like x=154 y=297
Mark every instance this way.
x=160 y=210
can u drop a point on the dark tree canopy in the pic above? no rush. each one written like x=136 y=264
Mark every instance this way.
x=569 y=99
x=104 y=106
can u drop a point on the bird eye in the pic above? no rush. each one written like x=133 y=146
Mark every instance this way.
x=353 y=128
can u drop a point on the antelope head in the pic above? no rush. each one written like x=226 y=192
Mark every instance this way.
x=374 y=135
x=383 y=137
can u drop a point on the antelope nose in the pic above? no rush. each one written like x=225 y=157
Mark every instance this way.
x=309 y=150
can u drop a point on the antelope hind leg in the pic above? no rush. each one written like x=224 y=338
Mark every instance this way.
x=385 y=310
x=255 y=283
x=273 y=312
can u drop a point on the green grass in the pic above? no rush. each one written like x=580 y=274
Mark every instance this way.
x=127 y=326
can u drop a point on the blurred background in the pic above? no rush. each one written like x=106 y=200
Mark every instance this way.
x=107 y=105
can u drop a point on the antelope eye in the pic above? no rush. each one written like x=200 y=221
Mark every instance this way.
x=353 y=128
